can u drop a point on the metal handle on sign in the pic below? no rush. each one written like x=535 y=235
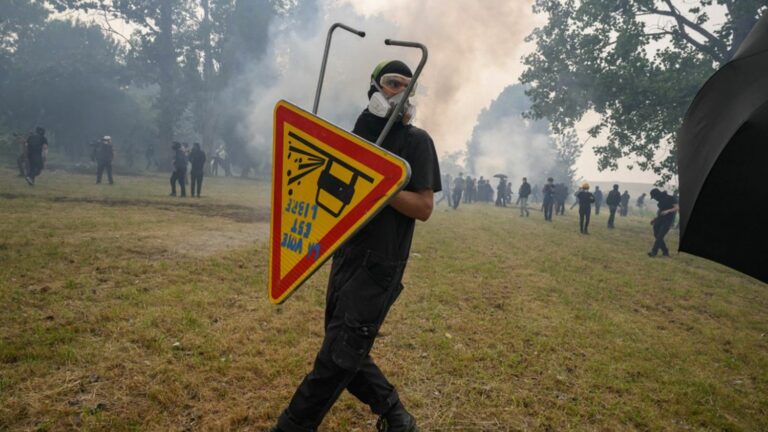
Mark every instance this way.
x=401 y=104
x=325 y=59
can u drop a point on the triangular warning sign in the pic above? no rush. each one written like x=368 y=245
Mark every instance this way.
x=326 y=184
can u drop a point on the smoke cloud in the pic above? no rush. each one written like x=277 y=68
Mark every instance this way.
x=452 y=89
x=506 y=143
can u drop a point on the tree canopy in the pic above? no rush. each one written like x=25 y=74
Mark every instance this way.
x=636 y=63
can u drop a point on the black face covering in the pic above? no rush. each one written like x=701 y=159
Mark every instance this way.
x=369 y=126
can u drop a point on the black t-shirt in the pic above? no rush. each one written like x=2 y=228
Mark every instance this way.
x=525 y=190
x=197 y=159
x=35 y=145
x=585 y=198
x=548 y=191
x=390 y=232
x=614 y=198
x=666 y=202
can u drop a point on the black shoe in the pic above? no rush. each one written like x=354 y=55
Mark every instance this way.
x=651 y=254
x=397 y=419
x=29 y=180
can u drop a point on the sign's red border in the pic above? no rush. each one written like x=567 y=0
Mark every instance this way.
x=391 y=172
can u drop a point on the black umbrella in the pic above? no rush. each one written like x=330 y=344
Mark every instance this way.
x=500 y=175
x=723 y=162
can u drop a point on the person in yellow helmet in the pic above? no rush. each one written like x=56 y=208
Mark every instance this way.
x=585 y=200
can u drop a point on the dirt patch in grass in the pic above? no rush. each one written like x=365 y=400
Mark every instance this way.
x=235 y=212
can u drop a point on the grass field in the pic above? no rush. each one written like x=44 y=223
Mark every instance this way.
x=126 y=309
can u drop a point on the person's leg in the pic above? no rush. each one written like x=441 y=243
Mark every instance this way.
x=109 y=172
x=664 y=227
x=655 y=247
x=199 y=183
x=356 y=306
x=611 y=215
x=183 y=182
x=21 y=163
x=99 y=171
x=192 y=182
x=173 y=182
x=586 y=220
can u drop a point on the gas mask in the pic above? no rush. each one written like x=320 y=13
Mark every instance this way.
x=381 y=106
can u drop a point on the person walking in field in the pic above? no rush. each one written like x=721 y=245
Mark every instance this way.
x=37 y=150
x=624 y=203
x=179 y=169
x=585 y=199
x=105 y=153
x=197 y=160
x=598 y=199
x=458 y=189
x=663 y=221
x=548 y=194
x=365 y=277
x=613 y=201
x=523 y=193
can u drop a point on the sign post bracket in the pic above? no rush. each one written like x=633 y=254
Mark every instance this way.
x=325 y=59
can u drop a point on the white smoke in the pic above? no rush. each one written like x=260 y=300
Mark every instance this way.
x=453 y=89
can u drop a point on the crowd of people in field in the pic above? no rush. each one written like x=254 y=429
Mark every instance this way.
x=552 y=197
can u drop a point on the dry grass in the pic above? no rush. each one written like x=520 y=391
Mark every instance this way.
x=125 y=309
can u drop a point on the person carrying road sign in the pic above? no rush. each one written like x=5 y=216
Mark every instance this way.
x=366 y=274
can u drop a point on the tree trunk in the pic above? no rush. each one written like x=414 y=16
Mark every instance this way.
x=209 y=117
x=166 y=60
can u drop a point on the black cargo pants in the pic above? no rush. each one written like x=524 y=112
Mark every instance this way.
x=362 y=288
x=661 y=227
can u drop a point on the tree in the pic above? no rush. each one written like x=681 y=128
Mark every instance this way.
x=154 y=53
x=606 y=56
x=66 y=77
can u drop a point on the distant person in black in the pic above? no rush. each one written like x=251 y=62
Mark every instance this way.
x=561 y=195
x=179 y=169
x=21 y=160
x=613 y=201
x=501 y=193
x=365 y=279
x=548 y=194
x=197 y=160
x=458 y=189
x=585 y=200
x=37 y=148
x=624 y=203
x=598 y=199
x=446 y=195
x=523 y=192
x=663 y=221
x=641 y=202
x=105 y=153
x=149 y=154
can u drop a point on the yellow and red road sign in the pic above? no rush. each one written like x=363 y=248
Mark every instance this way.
x=326 y=184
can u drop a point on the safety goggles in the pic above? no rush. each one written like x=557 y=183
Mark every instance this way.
x=396 y=83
